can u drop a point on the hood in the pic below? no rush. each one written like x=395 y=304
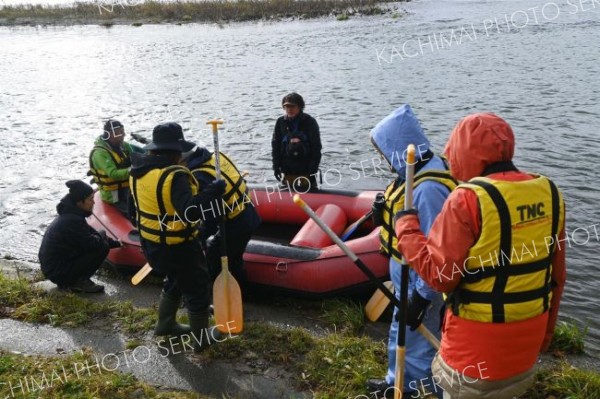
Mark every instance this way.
x=198 y=157
x=394 y=133
x=144 y=163
x=476 y=142
x=67 y=206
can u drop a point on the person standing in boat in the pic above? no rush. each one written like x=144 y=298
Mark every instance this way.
x=296 y=146
x=167 y=204
x=241 y=218
x=496 y=251
x=72 y=251
x=432 y=185
x=110 y=161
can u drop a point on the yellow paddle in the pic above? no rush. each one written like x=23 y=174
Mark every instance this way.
x=227 y=296
x=141 y=274
x=378 y=302
x=403 y=309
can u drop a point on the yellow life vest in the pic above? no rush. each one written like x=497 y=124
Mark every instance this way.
x=103 y=181
x=394 y=202
x=236 y=194
x=158 y=221
x=507 y=274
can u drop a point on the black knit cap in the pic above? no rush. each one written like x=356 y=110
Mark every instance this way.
x=111 y=125
x=294 y=99
x=79 y=190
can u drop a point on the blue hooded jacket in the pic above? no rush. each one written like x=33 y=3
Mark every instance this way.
x=390 y=137
x=394 y=133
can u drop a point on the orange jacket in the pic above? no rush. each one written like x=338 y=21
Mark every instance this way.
x=503 y=349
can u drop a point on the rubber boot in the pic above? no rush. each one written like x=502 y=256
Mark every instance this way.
x=167 y=322
x=201 y=337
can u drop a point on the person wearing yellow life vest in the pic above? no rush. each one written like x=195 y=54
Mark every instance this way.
x=166 y=202
x=496 y=250
x=241 y=218
x=432 y=185
x=109 y=162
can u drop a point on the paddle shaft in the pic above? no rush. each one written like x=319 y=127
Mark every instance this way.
x=352 y=228
x=215 y=130
x=403 y=309
x=359 y=263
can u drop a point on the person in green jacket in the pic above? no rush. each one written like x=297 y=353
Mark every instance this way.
x=110 y=161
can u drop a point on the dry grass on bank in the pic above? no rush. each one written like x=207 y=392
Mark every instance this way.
x=136 y=12
x=332 y=366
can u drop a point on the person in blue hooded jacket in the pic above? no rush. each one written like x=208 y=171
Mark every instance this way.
x=432 y=185
x=241 y=218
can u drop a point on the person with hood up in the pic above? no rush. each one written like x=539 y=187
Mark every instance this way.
x=432 y=185
x=296 y=146
x=496 y=249
x=166 y=205
x=72 y=251
x=110 y=161
x=241 y=218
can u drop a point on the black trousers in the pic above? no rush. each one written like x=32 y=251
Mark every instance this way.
x=237 y=235
x=123 y=204
x=82 y=267
x=185 y=267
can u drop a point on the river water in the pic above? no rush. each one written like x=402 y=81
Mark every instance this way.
x=535 y=63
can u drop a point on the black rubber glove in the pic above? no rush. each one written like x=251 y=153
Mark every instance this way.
x=216 y=188
x=139 y=138
x=377 y=209
x=102 y=233
x=114 y=243
x=400 y=214
x=277 y=174
x=416 y=310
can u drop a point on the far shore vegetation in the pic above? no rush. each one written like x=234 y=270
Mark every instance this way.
x=334 y=365
x=139 y=12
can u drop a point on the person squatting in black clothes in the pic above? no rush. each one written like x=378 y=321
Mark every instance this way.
x=296 y=146
x=166 y=203
x=72 y=251
x=241 y=218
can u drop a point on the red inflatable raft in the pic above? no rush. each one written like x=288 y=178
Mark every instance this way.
x=288 y=252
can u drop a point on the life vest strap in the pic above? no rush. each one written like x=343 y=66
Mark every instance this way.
x=514 y=270
x=165 y=232
x=468 y=296
x=397 y=192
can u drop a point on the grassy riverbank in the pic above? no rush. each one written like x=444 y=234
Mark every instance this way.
x=332 y=365
x=136 y=12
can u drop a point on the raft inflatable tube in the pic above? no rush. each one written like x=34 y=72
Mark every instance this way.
x=289 y=252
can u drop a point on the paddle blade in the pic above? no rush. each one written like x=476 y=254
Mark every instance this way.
x=378 y=302
x=227 y=301
x=141 y=274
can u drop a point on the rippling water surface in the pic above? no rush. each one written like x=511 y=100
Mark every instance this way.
x=57 y=85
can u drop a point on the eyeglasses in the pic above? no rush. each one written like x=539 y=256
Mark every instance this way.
x=290 y=106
